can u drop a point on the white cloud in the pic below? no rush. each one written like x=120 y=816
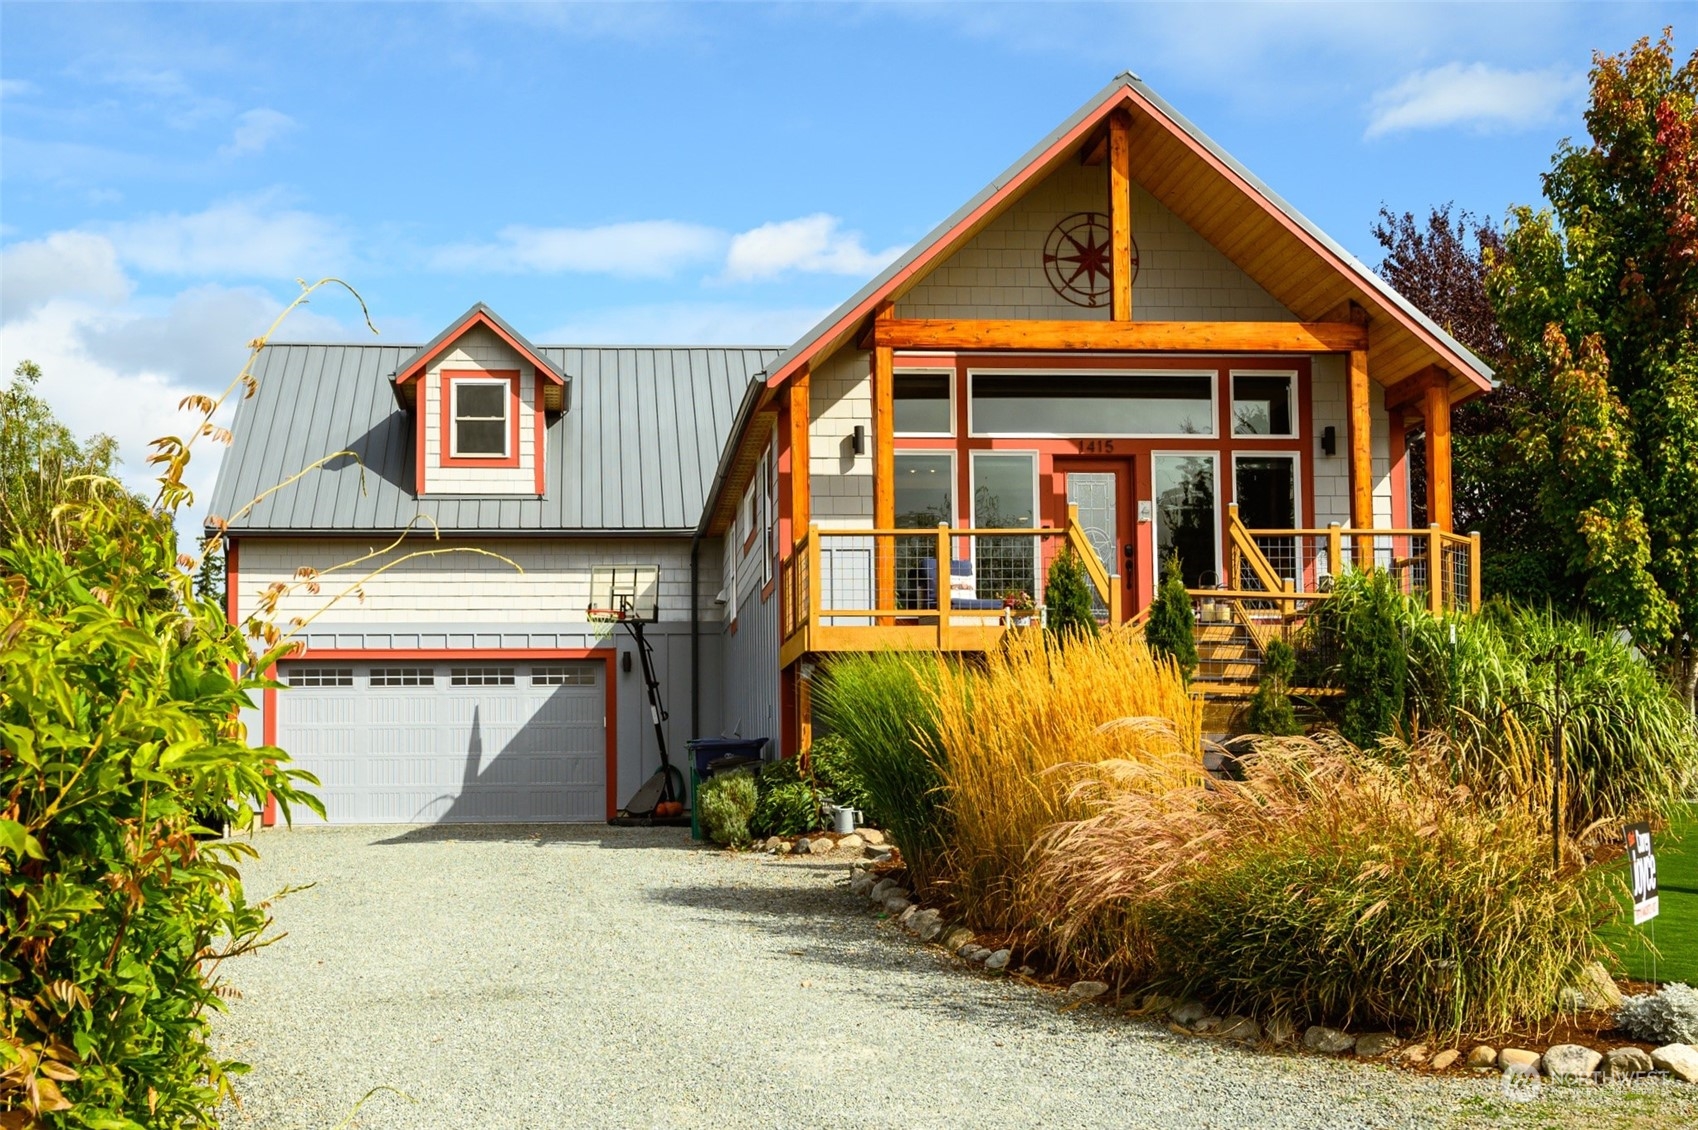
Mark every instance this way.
x=686 y=323
x=67 y=264
x=256 y=129
x=246 y=238
x=1475 y=95
x=15 y=87
x=811 y=243
x=641 y=249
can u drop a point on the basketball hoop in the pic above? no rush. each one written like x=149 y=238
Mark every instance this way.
x=622 y=593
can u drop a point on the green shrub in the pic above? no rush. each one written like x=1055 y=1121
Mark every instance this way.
x=118 y=722
x=728 y=801
x=1270 y=709
x=787 y=803
x=1363 y=626
x=835 y=773
x=1172 y=627
x=1667 y=1016
x=882 y=707
x=1067 y=599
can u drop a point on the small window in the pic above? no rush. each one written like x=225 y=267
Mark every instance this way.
x=1261 y=404
x=403 y=677
x=578 y=676
x=480 y=676
x=480 y=418
x=321 y=677
x=921 y=403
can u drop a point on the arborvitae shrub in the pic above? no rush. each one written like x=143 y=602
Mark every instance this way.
x=1171 y=630
x=1270 y=710
x=1067 y=599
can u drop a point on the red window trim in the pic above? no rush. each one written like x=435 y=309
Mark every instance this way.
x=608 y=657
x=445 y=392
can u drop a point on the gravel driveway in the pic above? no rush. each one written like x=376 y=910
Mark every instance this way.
x=548 y=977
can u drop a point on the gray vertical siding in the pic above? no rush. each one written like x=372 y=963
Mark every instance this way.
x=751 y=666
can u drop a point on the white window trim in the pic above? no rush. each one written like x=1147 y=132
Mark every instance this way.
x=454 y=385
x=1213 y=416
x=1155 y=511
x=1232 y=403
x=769 y=510
x=926 y=370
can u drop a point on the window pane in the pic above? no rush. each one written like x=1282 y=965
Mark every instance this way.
x=1092 y=404
x=481 y=437
x=923 y=491
x=481 y=400
x=1003 y=499
x=1267 y=492
x=922 y=404
x=1261 y=406
x=1186 y=516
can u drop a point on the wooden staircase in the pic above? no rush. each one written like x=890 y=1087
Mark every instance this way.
x=1229 y=665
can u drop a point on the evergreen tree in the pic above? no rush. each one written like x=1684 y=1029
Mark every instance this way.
x=1270 y=710
x=1171 y=629
x=1067 y=598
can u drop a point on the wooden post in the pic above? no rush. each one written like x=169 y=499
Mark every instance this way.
x=884 y=471
x=944 y=598
x=815 y=615
x=800 y=502
x=1438 y=453
x=804 y=713
x=1361 y=459
x=1335 y=550
x=1435 y=570
x=1120 y=213
x=1474 y=570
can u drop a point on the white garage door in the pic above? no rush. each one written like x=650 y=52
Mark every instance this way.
x=449 y=742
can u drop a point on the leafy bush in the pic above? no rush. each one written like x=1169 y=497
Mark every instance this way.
x=787 y=803
x=882 y=707
x=1326 y=886
x=1668 y=1016
x=1172 y=626
x=118 y=724
x=1067 y=599
x=1016 y=735
x=1270 y=709
x=727 y=802
x=1363 y=626
x=835 y=773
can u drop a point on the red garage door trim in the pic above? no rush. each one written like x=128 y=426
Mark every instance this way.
x=607 y=656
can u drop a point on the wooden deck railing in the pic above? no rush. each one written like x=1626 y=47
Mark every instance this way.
x=942 y=589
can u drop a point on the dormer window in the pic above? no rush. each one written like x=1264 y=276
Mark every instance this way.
x=481 y=409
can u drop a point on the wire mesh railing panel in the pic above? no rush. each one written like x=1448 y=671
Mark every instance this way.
x=1005 y=567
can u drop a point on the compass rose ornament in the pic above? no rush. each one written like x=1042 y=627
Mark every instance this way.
x=1078 y=259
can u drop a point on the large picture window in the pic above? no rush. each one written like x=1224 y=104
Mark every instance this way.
x=1004 y=498
x=922 y=403
x=1187 y=516
x=1093 y=403
x=925 y=498
x=1262 y=405
x=480 y=418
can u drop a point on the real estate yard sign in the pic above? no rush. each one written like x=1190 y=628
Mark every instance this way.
x=1644 y=866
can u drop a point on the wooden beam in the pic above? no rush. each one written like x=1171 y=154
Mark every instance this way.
x=1361 y=457
x=884 y=469
x=1200 y=337
x=1095 y=149
x=1413 y=389
x=1120 y=214
x=1438 y=455
x=800 y=502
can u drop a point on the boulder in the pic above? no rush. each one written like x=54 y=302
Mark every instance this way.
x=975 y=953
x=851 y=842
x=1085 y=990
x=1598 y=987
x=1679 y=1060
x=1570 y=1061
x=1375 y=1044
x=1445 y=1058
x=954 y=938
x=786 y=848
x=1627 y=1061
x=907 y=914
x=821 y=845
x=870 y=835
x=801 y=846
x=1239 y=1028
x=928 y=926
x=1414 y=1055
x=1519 y=1059
x=881 y=889
x=1329 y=1040
x=1483 y=1056
x=861 y=884
x=896 y=904
x=1281 y=1030
x=1187 y=1012
x=773 y=843
x=998 y=960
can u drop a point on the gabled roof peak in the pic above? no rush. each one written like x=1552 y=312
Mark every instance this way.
x=479 y=314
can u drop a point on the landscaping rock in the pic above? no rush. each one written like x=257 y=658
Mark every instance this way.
x=1627 y=1061
x=1157 y=1002
x=1375 y=1044
x=954 y=938
x=800 y=847
x=1570 y=1061
x=1519 y=1059
x=896 y=904
x=851 y=842
x=1598 y=987
x=1445 y=1058
x=1414 y=1055
x=882 y=889
x=1281 y=1030
x=907 y=915
x=1085 y=990
x=1025 y=970
x=976 y=954
x=1187 y=1012
x=998 y=960
x=1329 y=1040
x=927 y=925
x=1679 y=1060
x=773 y=843
x=870 y=835
x=861 y=884
x=1482 y=1056
x=1239 y=1028
x=821 y=846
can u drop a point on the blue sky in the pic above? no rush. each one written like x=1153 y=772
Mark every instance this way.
x=697 y=173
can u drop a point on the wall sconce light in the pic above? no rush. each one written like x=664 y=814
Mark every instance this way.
x=1329 y=440
x=858 y=440
x=625 y=662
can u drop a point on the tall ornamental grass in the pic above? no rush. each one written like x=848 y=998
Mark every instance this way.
x=883 y=708
x=1327 y=887
x=1016 y=735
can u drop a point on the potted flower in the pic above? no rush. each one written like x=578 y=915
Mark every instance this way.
x=1018 y=607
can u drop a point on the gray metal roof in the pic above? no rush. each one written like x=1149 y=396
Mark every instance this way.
x=810 y=340
x=635 y=453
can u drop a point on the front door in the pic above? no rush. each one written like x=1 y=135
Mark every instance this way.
x=1102 y=490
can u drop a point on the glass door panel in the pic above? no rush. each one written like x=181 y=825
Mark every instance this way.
x=1187 y=517
x=1266 y=489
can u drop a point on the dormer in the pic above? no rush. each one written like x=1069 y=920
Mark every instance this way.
x=480 y=395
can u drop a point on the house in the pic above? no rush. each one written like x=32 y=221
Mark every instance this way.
x=1126 y=344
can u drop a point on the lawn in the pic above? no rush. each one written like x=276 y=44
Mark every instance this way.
x=1675 y=929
